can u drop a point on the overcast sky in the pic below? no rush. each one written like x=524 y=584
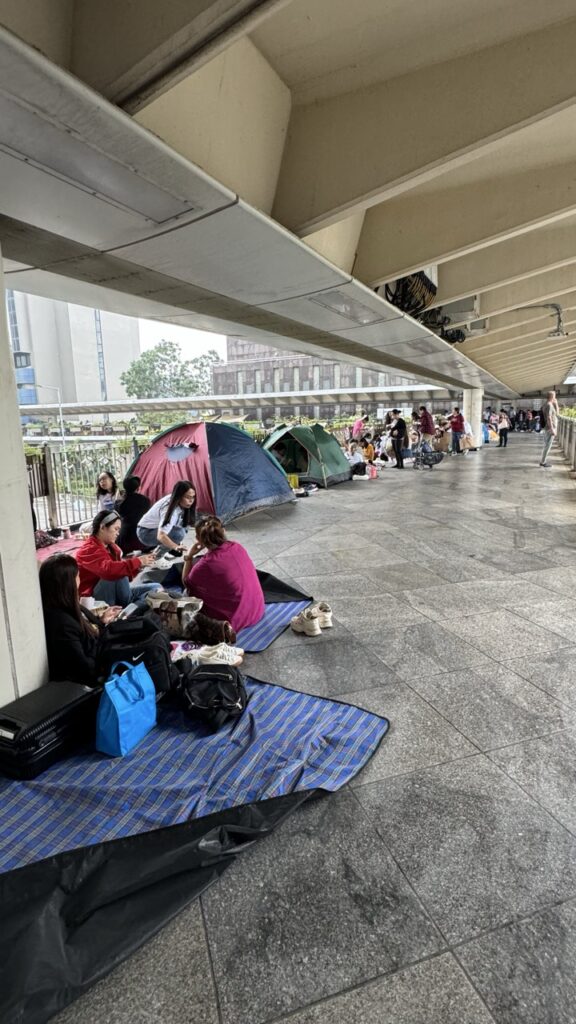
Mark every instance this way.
x=192 y=343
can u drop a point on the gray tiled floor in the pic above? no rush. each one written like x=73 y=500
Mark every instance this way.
x=440 y=888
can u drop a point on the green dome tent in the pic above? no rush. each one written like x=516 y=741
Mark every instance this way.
x=310 y=452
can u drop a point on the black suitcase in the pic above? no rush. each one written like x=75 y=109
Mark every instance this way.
x=44 y=726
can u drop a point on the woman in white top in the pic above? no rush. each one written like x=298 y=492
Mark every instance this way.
x=106 y=491
x=166 y=522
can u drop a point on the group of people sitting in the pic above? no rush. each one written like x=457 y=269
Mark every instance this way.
x=399 y=437
x=213 y=569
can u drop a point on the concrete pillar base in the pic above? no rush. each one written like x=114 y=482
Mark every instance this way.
x=472 y=411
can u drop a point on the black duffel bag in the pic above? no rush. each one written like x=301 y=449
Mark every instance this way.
x=213 y=693
x=139 y=638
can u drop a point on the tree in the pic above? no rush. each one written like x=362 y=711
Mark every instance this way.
x=162 y=373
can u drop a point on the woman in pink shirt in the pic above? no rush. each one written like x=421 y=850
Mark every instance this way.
x=225 y=578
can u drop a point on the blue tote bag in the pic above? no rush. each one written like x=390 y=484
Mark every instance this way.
x=127 y=710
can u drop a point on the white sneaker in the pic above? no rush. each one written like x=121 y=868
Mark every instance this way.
x=306 y=622
x=219 y=654
x=324 y=613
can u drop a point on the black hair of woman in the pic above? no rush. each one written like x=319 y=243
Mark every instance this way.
x=130 y=484
x=104 y=518
x=58 y=587
x=102 y=490
x=180 y=489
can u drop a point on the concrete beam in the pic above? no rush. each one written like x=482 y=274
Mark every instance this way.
x=507 y=262
x=527 y=317
x=155 y=45
x=537 y=329
x=355 y=150
x=542 y=288
x=423 y=228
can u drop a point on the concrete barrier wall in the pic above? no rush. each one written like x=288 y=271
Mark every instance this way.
x=567 y=438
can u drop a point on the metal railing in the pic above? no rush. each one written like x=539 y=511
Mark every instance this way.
x=57 y=505
x=567 y=438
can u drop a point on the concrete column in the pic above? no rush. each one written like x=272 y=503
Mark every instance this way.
x=23 y=664
x=472 y=411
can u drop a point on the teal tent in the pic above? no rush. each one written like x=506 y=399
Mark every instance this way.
x=310 y=452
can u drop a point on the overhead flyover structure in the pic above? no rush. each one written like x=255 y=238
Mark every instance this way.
x=219 y=403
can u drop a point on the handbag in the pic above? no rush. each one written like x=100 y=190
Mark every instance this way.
x=127 y=710
x=177 y=614
x=213 y=693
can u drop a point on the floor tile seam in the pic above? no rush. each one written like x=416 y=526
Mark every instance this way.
x=471 y=668
x=527 y=739
x=516 y=920
x=538 y=624
x=476 y=644
x=536 y=801
x=414 y=771
x=417 y=896
x=508 y=664
x=546 y=629
x=350 y=989
x=443 y=716
x=211 y=960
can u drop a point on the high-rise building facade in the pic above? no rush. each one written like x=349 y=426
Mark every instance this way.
x=79 y=350
x=253 y=369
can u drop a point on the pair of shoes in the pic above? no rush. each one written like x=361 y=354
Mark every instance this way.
x=313 y=620
x=545 y=465
x=219 y=654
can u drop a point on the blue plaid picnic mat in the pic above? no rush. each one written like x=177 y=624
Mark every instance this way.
x=274 y=621
x=284 y=742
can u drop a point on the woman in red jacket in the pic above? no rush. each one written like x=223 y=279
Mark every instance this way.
x=104 y=574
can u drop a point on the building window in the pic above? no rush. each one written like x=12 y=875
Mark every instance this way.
x=12 y=320
x=100 y=355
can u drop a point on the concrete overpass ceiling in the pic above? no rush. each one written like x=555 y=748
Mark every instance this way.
x=388 y=136
x=324 y=48
x=177 y=239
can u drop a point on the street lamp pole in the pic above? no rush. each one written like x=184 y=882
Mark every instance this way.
x=53 y=387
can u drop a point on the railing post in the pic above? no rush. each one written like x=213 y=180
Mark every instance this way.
x=51 y=497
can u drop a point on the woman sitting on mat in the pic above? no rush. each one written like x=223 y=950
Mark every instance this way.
x=166 y=522
x=104 y=573
x=72 y=632
x=225 y=578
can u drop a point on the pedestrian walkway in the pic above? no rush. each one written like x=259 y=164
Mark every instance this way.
x=440 y=888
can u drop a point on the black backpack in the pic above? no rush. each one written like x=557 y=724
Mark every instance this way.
x=542 y=415
x=139 y=638
x=213 y=693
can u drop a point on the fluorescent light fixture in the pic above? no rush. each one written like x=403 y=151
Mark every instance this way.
x=338 y=302
x=28 y=134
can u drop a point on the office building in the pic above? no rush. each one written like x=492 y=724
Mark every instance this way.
x=79 y=350
x=253 y=369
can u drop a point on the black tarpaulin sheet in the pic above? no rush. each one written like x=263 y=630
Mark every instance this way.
x=277 y=591
x=70 y=917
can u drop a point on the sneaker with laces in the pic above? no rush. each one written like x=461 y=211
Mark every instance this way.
x=324 y=614
x=306 y=622
x=219 y=654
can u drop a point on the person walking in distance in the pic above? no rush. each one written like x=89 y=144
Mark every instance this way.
x=398 y=433
x=457 y=426
x=427 y=425
x=503 y=428
x=549 y=418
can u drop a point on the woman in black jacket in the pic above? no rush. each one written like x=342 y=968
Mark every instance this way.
x=132 y=506
x=72 y=632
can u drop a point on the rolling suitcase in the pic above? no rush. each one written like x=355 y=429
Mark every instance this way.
x=44 y=726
